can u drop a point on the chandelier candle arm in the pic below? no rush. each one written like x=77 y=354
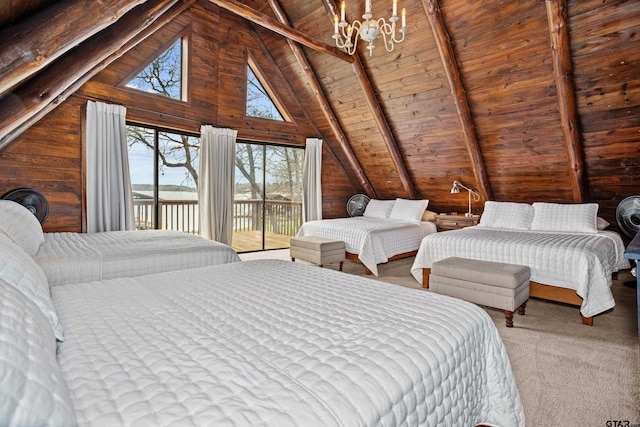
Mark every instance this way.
x=346 y=35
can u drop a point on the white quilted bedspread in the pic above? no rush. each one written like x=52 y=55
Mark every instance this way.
x=275 y=343
x=580 y=261
x=374 y=240
x=81 y=257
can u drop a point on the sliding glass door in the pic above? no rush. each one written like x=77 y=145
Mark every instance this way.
x=268 y=196
x=164 y=177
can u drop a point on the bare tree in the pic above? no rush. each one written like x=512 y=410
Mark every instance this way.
x=163 y=77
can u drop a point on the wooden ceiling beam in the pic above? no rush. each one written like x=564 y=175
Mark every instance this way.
x=325 y=106
x=32 y=100
x=443 y=41
x=269 y=23
x=35 y=42
x=557 y=17
x=381 y=121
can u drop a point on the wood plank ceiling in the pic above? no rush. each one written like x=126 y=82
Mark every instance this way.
x=521 y=100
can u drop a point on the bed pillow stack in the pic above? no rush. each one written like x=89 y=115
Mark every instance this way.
x=21 y=271
x=557 y=217
x=408 y=210
x=398 y=209
x=569 y=218
x=507 y=215
x=379 y=208
x=33 y=389
x=21 y=226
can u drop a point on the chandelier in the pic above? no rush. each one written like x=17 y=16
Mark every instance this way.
x=347 y=35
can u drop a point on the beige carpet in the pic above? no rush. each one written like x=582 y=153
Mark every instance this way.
x=568 y=374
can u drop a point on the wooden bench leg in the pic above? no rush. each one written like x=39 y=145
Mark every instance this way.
x=293 y=260
x=341 y=264
x=522 y=308
x=508 y=316
x=587 y=320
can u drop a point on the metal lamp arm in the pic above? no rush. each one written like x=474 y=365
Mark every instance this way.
x=476 y=196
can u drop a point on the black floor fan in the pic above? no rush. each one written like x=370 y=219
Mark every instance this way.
x=31 y=199
x=628 y=218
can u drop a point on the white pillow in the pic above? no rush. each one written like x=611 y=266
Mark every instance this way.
x=379 y=208
x=33 y=389
x=507 y=215
x=408 y=210
x=21 y=226
x=570 y=218
x=601 y=223
x=19 y=270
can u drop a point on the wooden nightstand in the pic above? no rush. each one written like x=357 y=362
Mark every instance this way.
x=446 y=222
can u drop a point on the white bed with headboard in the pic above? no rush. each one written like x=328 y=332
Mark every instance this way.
x=388 y=229
x=80 y=257
x=571 y=260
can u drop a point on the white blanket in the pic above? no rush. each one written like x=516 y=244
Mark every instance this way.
x=81 y=257
x=275 y=343
x=373 y=240
x=580 y=261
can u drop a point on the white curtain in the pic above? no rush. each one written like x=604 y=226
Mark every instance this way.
x=109 y=195
x=311 y=181
x=216 y=182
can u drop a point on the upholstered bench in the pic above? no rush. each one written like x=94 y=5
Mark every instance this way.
x=493 y=284
x=317 y=250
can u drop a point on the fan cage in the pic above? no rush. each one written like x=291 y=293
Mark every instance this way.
x=357 y=204
x=628 y=215
x=31 y=199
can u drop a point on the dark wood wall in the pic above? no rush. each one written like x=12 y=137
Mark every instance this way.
x=503 y=53
x=48 y=157
x=501 y=50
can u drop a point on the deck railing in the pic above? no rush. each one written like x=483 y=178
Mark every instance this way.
x=280 y=216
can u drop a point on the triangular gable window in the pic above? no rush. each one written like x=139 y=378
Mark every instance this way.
x=164 y=75
x=259 y=101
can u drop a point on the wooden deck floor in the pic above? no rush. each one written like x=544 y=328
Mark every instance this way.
x=247 y=241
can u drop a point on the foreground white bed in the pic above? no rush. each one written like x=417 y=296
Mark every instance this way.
x=583 y=262
x=81 y=257
x=372 y=240
x=280 y=344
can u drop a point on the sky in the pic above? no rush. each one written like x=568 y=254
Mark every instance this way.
x=141 y=168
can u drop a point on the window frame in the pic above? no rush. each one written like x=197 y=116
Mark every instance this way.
x=279 y=105
x=185 y=87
